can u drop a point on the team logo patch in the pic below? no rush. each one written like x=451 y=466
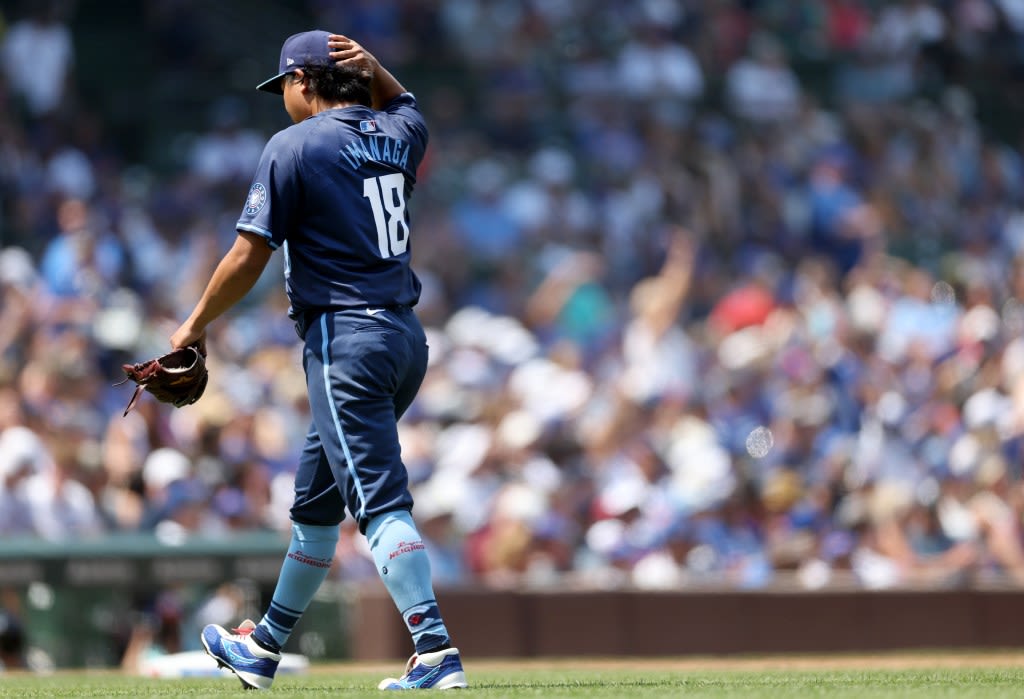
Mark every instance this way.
x=368 y=126
x=422 y=615
x=256 y=199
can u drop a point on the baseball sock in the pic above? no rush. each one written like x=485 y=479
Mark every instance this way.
x=305 y=567
x=403 y=565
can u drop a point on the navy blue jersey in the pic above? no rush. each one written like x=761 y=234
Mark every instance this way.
x=333 y=191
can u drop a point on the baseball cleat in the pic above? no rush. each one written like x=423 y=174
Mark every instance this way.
x=439 y=670
x=254 y=666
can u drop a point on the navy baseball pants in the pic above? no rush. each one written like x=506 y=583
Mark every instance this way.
x=363 y=369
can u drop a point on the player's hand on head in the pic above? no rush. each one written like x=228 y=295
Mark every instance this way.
x=346 y=52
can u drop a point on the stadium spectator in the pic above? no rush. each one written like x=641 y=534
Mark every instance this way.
x=822 y=379
x=762 y=87
x=43 y=41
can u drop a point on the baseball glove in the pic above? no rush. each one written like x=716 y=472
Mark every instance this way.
x=178 y=377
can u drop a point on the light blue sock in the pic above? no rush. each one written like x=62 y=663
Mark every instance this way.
x=305 y=567
x=404 y=567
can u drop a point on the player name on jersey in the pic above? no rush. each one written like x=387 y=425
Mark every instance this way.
x=378 y=149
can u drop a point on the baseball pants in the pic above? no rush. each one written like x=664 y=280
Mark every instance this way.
x=363 y=369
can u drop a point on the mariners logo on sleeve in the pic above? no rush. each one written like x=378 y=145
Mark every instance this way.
x=256 y=199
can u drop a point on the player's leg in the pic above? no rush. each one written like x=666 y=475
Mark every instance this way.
x=376 y=365
x=315 y=514
x=402 y=562
x=253 y=651
x=416 y=370
x=393 y=536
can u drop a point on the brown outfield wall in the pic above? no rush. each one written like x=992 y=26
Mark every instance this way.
x=525 y=624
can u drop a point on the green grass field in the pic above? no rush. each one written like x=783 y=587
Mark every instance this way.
x=964 y=676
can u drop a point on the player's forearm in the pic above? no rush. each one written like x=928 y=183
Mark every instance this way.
x=233 y=278
x=227 y=287
x=385 y=87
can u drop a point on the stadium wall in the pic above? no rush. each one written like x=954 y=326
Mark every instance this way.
x=642 y=623
x=93 y=581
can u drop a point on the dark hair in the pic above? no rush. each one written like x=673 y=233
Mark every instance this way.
x=339 y=83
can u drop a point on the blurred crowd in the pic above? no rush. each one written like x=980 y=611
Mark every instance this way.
x=723 y=293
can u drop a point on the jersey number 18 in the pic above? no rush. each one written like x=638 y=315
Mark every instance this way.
x=387 y=199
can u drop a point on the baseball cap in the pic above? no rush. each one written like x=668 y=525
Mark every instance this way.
x=298 y=51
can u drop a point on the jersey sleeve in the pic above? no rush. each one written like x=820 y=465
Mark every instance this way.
x=273 y=198
x=406 y=111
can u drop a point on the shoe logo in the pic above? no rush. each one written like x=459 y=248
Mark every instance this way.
x=430 y=676
x=374 y=311
x=423 y=676
x=238 y=659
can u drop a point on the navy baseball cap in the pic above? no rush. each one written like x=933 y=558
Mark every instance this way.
x=298 y=51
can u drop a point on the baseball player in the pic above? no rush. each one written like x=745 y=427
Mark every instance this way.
x=332 y=191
